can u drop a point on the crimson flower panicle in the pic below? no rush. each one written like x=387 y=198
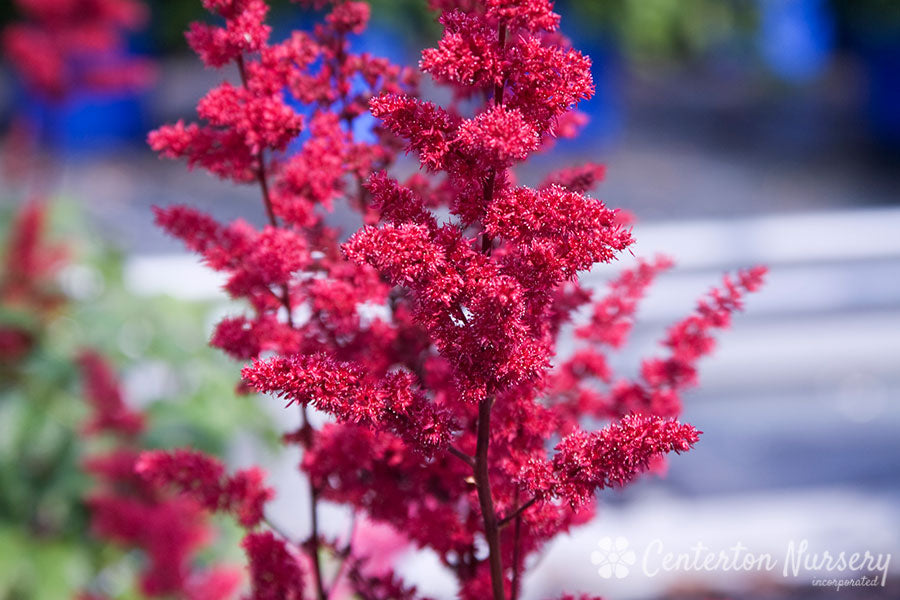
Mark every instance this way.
x=101 y=388
x=613 y=456
x=580 y=179
x=244 y=31
x=31 y=262
x=169 y=533
x=613 y=315
x=556 y=232
x=203 y=479
x=431 y=343
x=688 y=341
x=275 y=572
x=344 y=391
x=532 y=15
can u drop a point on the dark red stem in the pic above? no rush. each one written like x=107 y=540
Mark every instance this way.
x=516 y=557
x=486 y=500
x=314 y=544
x=517 y=512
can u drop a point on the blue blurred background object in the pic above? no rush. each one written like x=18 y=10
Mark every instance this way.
x=796 y=37
x=86 y=121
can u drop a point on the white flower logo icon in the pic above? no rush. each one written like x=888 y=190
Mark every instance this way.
x=613 y=558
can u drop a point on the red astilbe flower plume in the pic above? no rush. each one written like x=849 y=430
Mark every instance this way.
x=274 y=571
x=572 y=387
x=344 y=391
x=244 y=31
x=580 y=179
x=203 y=479
x=242 y=122
x=607 y=458
x=29 y=294
x=430 y=337
x=689 y=340
x=466 y=54
x=110 y=413
x=533 y=15
x=428 y=128
x=303 y=298
x=613 y=315
x=493 y=289
x=557 y=232
x=169 y=531
x=30 y=262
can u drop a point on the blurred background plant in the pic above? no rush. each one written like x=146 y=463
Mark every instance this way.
x=58 y=298
x=185 y=390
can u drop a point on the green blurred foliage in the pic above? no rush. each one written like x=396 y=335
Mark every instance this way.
x=171 y=19
x=185 y=388
x=667 y=29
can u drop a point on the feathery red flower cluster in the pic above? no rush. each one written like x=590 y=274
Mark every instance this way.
x=110 y=413
x=274 y=567
x=203 y=478
x=430 y=341
x=30 y=262
x=293 y=265
x=169 y=530
x=67 y=44
x=28 y=294
x=610 y=457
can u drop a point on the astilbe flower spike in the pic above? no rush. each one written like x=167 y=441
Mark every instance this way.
x=123 y=510
x=31 y=262
x=429 y=337
x=169 y=530
x=274 y=572
x=607 y=458
x=110 y=413
x=203 y=479
x=29 y=295
x=294 y=263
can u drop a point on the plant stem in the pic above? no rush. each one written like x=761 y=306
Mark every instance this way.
x=344 y=554
x=264 y=186
x=517 y=539
x=486 y=242
x=482 y=473
x=313 y=543
x=461 y=455
x=517 y=512
x=498 y=88
x=483 y=483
